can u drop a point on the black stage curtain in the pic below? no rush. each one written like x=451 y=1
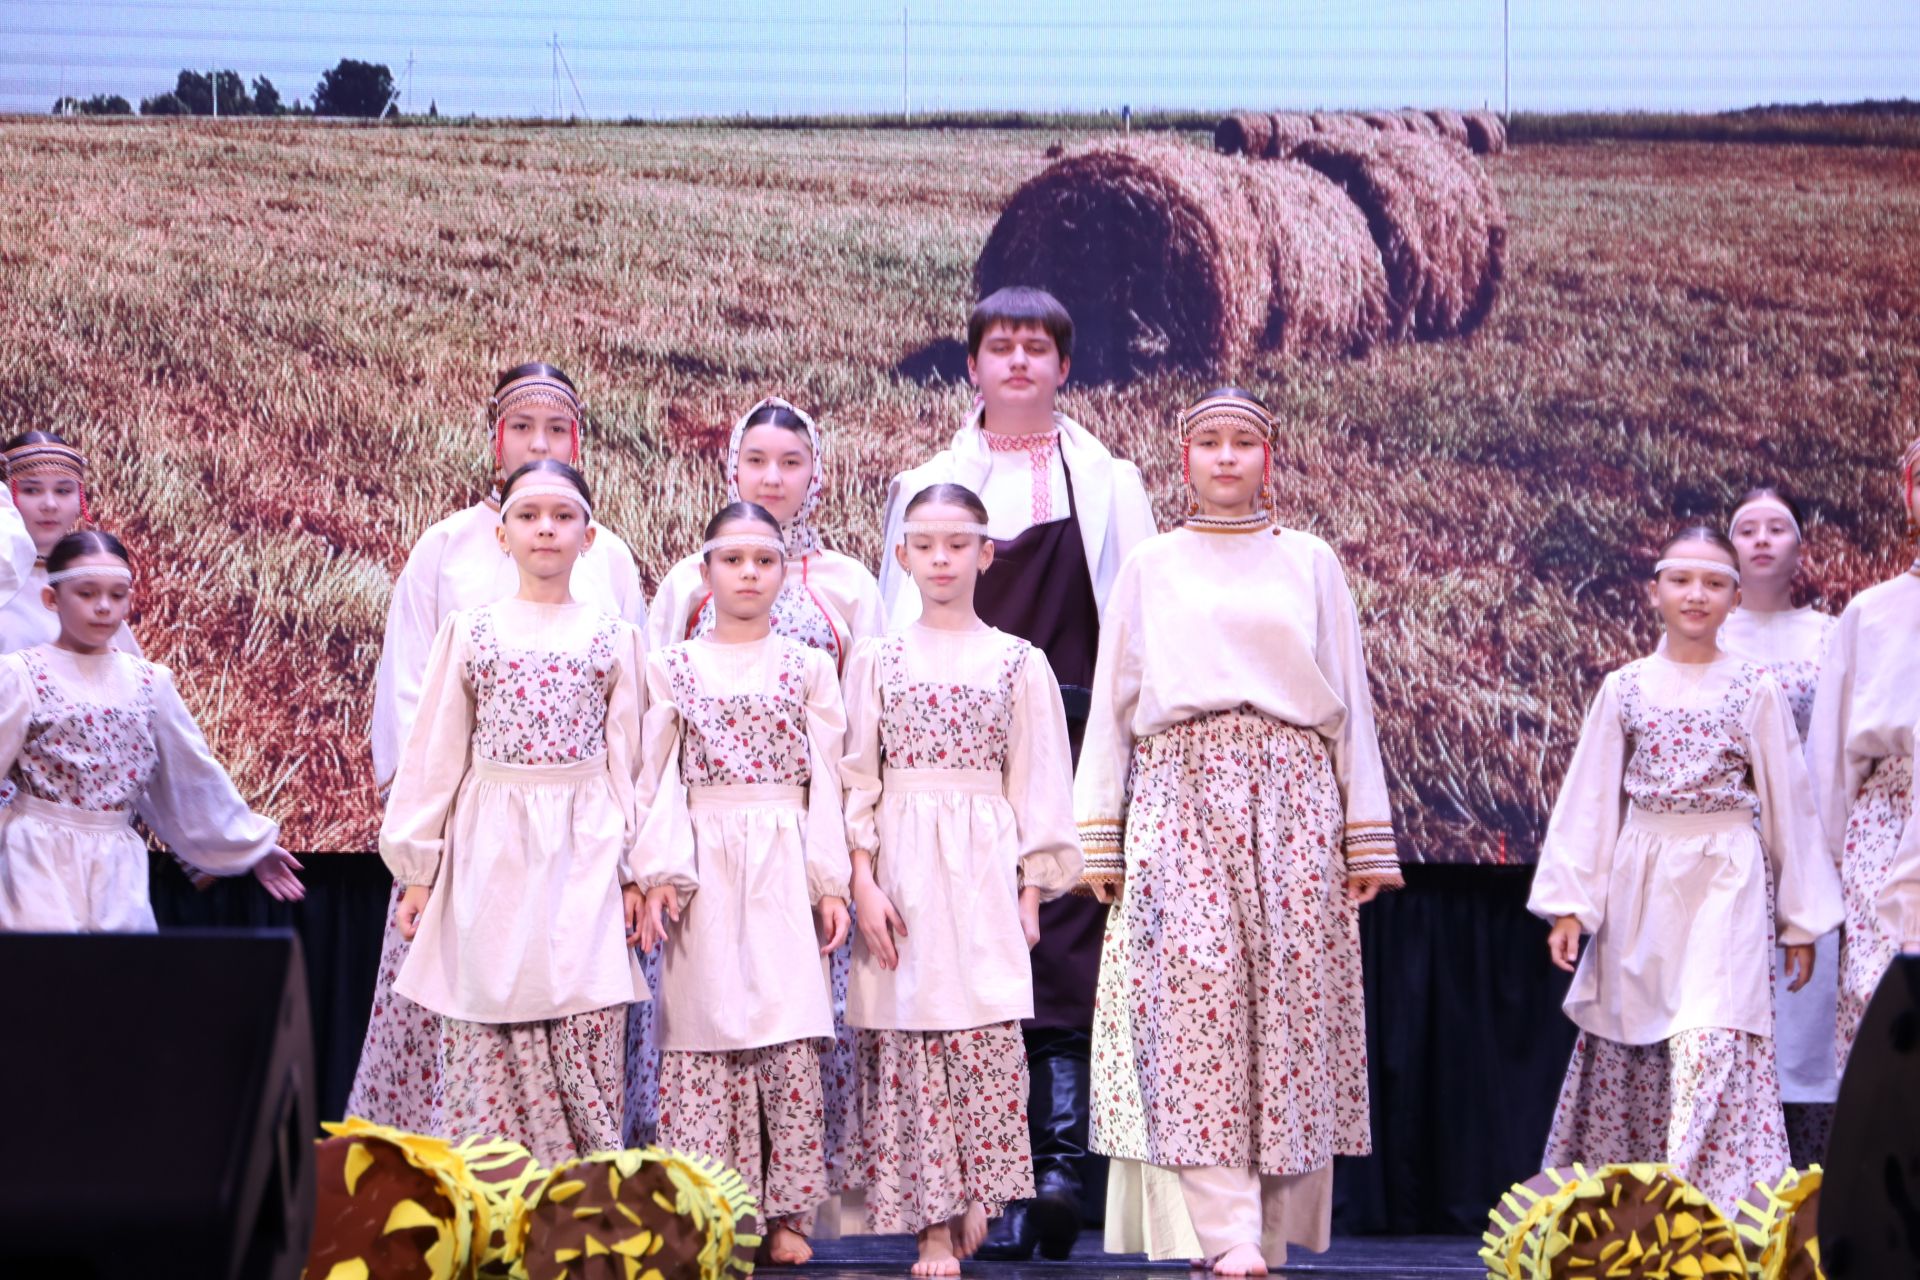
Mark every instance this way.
x=1465 y=1038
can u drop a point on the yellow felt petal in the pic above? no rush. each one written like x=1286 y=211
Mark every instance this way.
x=562 y=1191
x=636 y=1246
x=351 y=1269
x=595 y=1249
x=359 y=1160
x=408 y=1214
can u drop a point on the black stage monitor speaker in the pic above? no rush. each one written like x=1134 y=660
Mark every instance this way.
x=1870 y=1196
x=158 y=1105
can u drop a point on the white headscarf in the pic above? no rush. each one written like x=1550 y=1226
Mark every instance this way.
x=798 y=532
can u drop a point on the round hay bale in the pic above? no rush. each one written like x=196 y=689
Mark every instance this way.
x=1486 y=132
x=1436 y=217
x=1416 y=121
x=1338 y=122
x=1451 y=124
x=1383 y=121
x=1243 y=134
x=1169 y=256
x=1288 y=128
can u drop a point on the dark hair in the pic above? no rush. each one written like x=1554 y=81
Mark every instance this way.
x=87 y=542
x=1703 y=533
x=957 y=494
x=778 y=415
x=548 y=465
x=1018 y=306
x=1769 y=491
x=533 y=369
x=33 y=437
x=1234 y=393
x=739 y=511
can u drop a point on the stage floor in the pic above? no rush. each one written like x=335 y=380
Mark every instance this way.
x=1381 y=1257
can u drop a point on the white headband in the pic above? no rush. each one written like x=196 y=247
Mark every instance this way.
x=1703 y=565
x=1768 y=503
x=119 y=571
x=545 y=489
x=745 y=541
x=912 y=527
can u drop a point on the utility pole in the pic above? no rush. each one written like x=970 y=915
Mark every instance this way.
x=409 y=82
x=1506 y=61
x=906 y=102
x=555 y=109
x=213 y=83
x=568 y=68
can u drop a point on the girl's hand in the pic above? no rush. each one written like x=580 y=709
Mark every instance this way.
x=275 y=872
x=834 y=923
x=653 y=930
x=1799 y=966
x=633 y=905
x=1030 y=915
x=878 y=920
x=413 y=904
x=1107 y=892
x=1563 y=944
x=1364 y=889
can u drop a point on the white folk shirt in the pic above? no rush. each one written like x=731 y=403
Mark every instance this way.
x=1212 y=621
x=1676 y=902
x=836 y=589
x=741 y=791
x=1115 y=512
x=959 y=781
x=1868 y=700
x=458 y=564
x=17 y=552
x=515 y=801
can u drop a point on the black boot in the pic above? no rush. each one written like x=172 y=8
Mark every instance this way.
x=1016 y=1230
x=1011 y=1237
x=1060 y=1142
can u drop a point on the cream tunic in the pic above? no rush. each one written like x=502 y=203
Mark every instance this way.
x=1115 y=512
x=515 y=801
x=828 y=600
x=457 y=565
x=1653 y=841
x=25 y=619
x=1283 y=597
x=17 y=552
x=1790 y=645
x=90 y=740
x=741 y=790
x=959 y=780
x=1868 y=699
x=1899 y=903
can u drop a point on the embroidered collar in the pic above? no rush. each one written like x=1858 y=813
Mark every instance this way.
x=1254 y=523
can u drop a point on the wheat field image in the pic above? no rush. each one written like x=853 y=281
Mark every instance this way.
x=274 y=341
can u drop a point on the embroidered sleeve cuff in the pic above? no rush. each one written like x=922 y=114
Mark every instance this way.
x=1103 y=850
x=1370 y=850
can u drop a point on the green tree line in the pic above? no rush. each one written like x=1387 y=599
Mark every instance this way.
x=350 y=88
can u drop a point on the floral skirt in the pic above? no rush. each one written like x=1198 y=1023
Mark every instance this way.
x=1230 y=1027
x=556 y=1087
x=1705 y=1101
x=943 y=1124
x=1874 y=824
x=398 y=1080
x=719 y=1104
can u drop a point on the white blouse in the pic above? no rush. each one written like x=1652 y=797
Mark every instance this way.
x=1790 y=644
x=831 y=600
x=1210 y=621
x=1868 y=699
x=458 y=564
x=959 y=780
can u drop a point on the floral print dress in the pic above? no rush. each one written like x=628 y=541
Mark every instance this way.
x=87 y=741
x=514 y=801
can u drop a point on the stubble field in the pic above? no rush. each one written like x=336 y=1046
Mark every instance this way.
x=274 y=341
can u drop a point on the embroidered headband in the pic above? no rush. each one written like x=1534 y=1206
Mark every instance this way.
x=1764 y=503
x=1703 y=565
x=546 y=489
x=1226 y=411
x=531 y=391
x=120 y=571
x=744 y=541
x=46 y=456
x=910 y=527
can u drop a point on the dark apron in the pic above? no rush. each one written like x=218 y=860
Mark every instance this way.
x=1038 y=588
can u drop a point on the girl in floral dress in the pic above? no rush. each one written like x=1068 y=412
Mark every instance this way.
x=959 y=782
x=828 y=601
x=511 y=825
x=1654 y=852
x=1790 y=643
x=1860 y=751
x=743 y=852
x=1231 y=799
x=458 y=563
x=47 y=482
x=90 y=736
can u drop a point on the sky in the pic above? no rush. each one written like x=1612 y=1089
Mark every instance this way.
x=783 y=57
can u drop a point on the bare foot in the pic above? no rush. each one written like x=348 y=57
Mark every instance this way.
x=936 y=1253
x=1241 y=1260
x=787 y=1247
x=968 y=1229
